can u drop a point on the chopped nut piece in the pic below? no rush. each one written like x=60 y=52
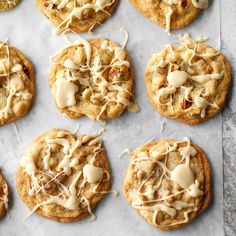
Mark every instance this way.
x=184 y=3
x=112 y=72
x=170 y=200
x=186 y=104
x=87 y=14
x=174 y=67
x=47 y=187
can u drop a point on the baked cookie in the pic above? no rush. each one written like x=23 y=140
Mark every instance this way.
x=4 y=196
x=93 y=78
x=6 y=5
x=16 y=84
x=170 y=14
x=76 y=15
x=168 y=183
x=188 y=82
x=63 y=177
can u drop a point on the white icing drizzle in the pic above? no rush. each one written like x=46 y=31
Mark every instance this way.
x=65 y=93
x=16 y=132
x=76 y=129
x=179 y=205
x=187 y=38
x=205 y=78
x=203 y=104
x=71 y=196
x=201 y=39
x=125 y=151
x=66 y=85
x=168 y=18
x=124 y=44
x=177 y=78
x=164 y=92
x=92 y=173
x=182 y=175
x=162 y=124
x=77 y=11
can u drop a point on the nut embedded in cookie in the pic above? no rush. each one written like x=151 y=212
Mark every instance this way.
x=168 y=183
x=188 y=82
x=62 y=176
x=93 y=78
x=76 y=16
x=16 y=84
x=170 y=14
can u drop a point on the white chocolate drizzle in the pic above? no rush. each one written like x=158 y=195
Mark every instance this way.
x=203 y=104
x=125 y=151
x=15 y=127
x=162 y=124
x=92 y=173
x=168 y=18
x=65 y=93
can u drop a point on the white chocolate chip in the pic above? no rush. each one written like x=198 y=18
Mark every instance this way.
x=16 y=68
x=70 y=64
x=16 y=83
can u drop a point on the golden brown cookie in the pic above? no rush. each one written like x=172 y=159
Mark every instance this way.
x=93 y=78
x=4 y=196
x=6 y=5
x=62 y=176
x=170 y=14
x=16 y=84
x=168 y=183
x=76 y=16
x=188 y=82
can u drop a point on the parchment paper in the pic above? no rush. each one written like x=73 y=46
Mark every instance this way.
x=29 y=31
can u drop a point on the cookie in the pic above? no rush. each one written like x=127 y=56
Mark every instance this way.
x=76 y=16
x=188 y=82
x=6 y=5
x=168 y=183
x=62 y=176
x=92 y=78
x=4 y=196
x=170 y=14
x=16 y=84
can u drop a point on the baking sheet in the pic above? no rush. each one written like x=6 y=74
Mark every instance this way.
x=29 y=31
